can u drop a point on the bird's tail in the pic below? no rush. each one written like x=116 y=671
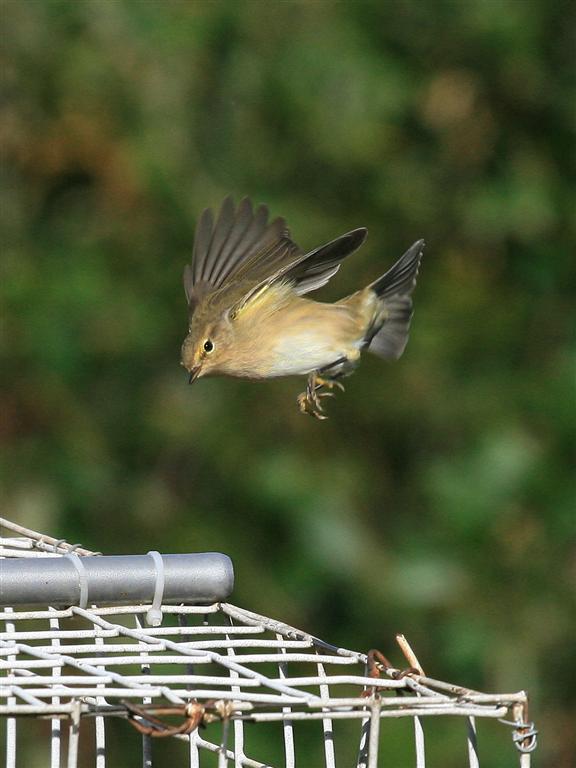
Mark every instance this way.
x=394 y=289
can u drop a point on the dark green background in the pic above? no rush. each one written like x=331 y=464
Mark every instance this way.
x=437 y=499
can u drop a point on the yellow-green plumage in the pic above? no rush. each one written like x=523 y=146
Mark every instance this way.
x=248 y=316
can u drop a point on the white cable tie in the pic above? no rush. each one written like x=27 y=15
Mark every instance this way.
x=154 y=613
x=82 y=577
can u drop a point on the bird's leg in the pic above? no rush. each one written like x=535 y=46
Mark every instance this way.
x=330 y=383
x=309 y=401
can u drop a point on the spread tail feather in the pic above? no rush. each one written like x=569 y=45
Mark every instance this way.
x=401 y=278
x=394 y=288
x=391 y=339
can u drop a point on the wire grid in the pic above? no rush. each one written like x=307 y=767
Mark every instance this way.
x=207 y=672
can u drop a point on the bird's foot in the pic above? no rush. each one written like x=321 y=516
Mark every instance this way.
x=309 y=401
x=311 y=406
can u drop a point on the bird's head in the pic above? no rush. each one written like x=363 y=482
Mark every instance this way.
x=207 y=347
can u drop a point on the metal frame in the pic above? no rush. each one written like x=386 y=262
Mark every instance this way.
x=198 y=578
x=102 y=662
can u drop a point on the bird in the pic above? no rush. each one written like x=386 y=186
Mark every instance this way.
x=249 y=316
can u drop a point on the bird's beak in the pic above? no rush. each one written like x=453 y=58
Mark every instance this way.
x=194 y=373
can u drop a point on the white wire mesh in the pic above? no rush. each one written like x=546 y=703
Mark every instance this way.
x=222 y=668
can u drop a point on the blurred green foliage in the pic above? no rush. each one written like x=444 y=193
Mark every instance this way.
x=437 y=500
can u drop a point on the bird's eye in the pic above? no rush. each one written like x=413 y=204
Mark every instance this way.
x=208 y=346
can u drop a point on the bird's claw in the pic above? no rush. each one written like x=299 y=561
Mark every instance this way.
x=309 y=401
x=311 y=406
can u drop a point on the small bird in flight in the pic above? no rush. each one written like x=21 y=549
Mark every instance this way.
x=248 y=316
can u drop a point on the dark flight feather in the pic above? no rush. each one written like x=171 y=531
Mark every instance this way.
x=222 y=246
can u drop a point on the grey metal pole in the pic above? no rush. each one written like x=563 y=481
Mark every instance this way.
x=200 y=578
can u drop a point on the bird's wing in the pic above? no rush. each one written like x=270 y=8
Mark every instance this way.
x=242 y=246
x=237 y=240
x=306 y=271
x=312 y=270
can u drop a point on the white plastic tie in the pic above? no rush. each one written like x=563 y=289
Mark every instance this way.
x=154 y=613
x=82 y=578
